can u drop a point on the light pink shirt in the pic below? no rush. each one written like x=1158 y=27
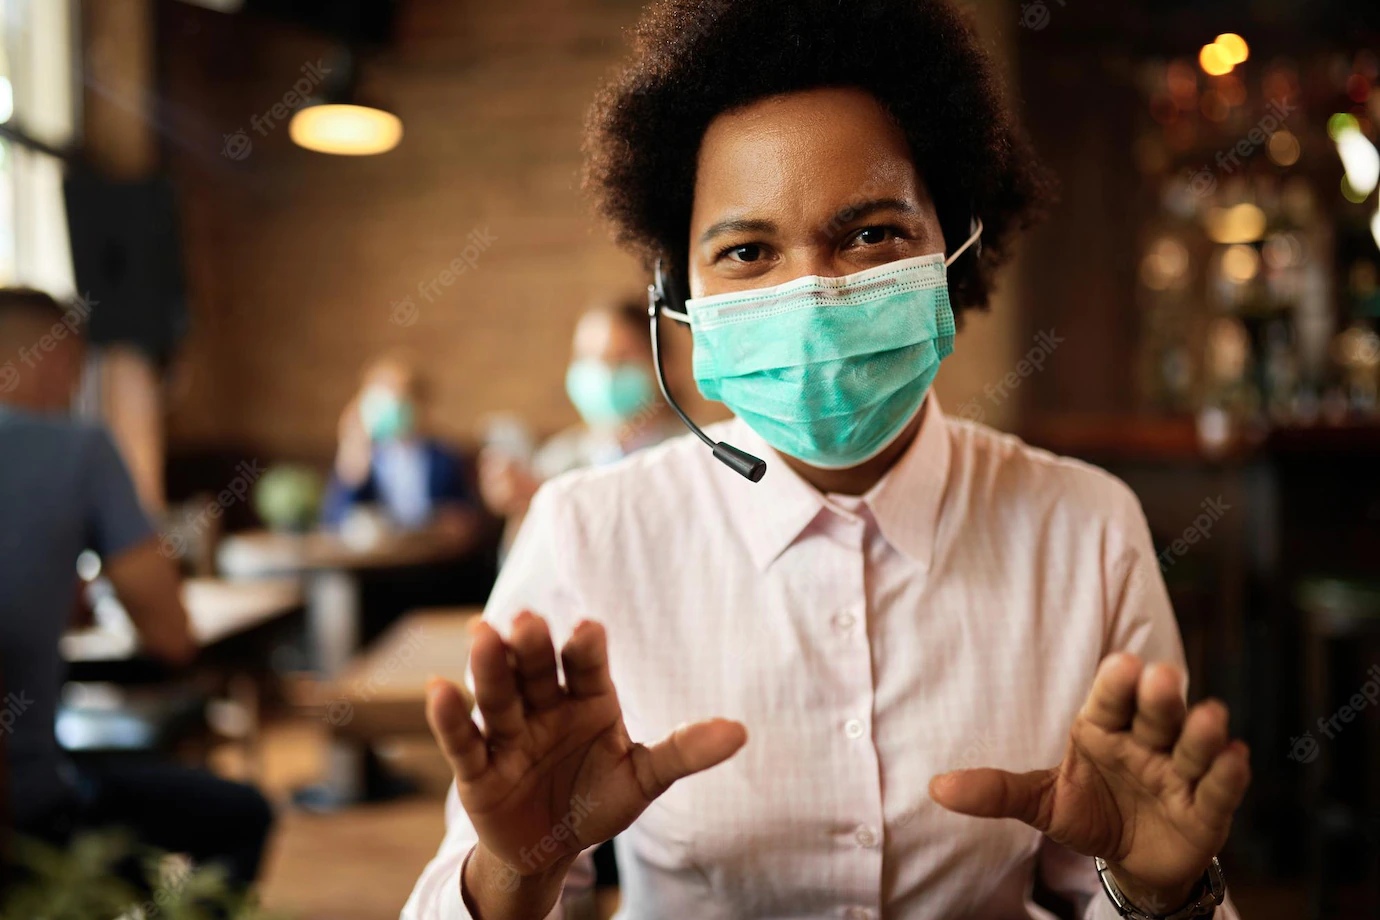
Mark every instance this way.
x=953 y=617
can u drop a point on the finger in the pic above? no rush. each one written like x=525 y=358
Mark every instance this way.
x=536 y=662
x=1224 y=785
x=459 y=738
x=1112 y=700
x=495 y=686
x=988 y=793
x=686 y=750
x=585 y=660
x=1203 y=738
x=1160 y=707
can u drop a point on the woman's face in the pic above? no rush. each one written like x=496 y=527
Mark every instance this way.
x=811 y=183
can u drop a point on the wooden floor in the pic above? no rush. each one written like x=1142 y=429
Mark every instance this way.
x=361 y=864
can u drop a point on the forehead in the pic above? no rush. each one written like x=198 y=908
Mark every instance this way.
x=802 y=156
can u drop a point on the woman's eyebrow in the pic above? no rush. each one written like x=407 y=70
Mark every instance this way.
x=737 y=225
x=861 y=209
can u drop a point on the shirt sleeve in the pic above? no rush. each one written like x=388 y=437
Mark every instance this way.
x=532 y=579
x=115 y=519
x=1141 y=620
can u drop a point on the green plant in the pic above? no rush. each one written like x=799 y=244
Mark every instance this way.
x=93 y=879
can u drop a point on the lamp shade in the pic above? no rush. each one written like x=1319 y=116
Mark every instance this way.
x=345 y=129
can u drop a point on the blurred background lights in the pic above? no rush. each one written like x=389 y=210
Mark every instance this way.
x=1375 y=227
x=1214 y=61
x=6 y=100
x=1234 y=48
x=1242 y=223
x=1283 y=147
x=1360 y=159
x=1165 y=265
x=1240 y=263
x=1282 y=251
x=1218 y=58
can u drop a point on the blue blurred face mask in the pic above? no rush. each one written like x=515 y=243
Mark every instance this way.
x=386 y=415
x=607 y=395
x=828 y=370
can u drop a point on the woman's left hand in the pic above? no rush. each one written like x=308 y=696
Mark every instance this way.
x=1144 y=784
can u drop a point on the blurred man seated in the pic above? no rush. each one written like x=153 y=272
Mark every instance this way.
x=388 y=467
x=386 y=460
x=64 y=489
x=612 y=383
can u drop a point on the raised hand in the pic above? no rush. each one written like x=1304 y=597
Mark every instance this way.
x=1144 y=784
x=553 y=771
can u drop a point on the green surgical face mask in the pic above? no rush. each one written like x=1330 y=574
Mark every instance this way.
x=607 y=395
x=828 y=370
x=386 y=416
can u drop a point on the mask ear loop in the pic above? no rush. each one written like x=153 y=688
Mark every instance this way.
x=974 y=239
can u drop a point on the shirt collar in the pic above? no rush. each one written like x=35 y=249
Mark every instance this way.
x=905 y=503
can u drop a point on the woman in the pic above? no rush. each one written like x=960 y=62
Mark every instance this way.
x=612 y=384
x=910 y=624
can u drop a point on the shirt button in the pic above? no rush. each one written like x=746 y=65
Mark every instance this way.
x=854 y=729
x=867 y=838
x=858 y=913
x=844 y=621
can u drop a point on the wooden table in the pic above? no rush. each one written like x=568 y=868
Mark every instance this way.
x=329 y=567
x=382 y=693
x=217 y=610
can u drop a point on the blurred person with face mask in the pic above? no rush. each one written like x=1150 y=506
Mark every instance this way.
x=64 y=489
x=385 y=458
x=612 y=384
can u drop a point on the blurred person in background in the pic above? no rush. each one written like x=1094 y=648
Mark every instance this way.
x=906 y=623
x=612 y=383
x=64 y=489
x=387 y=460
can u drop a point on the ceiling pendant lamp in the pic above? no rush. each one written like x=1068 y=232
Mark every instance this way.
x=341 y=122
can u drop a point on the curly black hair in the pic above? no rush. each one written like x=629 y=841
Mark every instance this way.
x=693 y=60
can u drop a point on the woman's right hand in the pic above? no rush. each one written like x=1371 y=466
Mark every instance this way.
x=554 y=771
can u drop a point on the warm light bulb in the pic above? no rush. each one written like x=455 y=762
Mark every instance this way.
x=1234 y=48
x=1240 y=264
x=1214 y=61
x=1360 y=159
x=1242 y=223
x=347 y=130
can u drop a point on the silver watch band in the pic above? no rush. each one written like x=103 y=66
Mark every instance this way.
x=1210 y=893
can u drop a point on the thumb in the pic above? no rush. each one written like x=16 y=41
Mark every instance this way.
x=689 y=749
x=988 y=793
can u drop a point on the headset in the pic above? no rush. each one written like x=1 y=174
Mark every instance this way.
x=659 y=302
x=663 y=299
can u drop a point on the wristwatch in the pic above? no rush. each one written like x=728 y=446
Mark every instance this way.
x=1203 y=902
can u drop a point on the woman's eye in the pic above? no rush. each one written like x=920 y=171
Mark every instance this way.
x=748 y=253
x=872 y=236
